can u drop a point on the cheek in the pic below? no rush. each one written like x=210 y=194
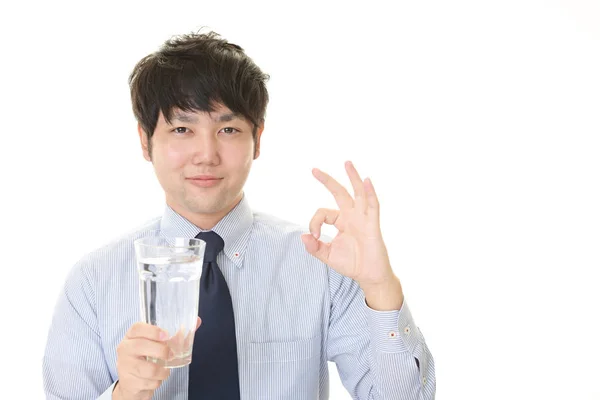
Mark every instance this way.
x=173 y=156
x=242 y=158
x=244 y=154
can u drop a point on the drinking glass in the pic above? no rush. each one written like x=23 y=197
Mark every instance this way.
x=169 y=270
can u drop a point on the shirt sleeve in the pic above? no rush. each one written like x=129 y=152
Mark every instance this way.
x=379 y=354
x=74 y=366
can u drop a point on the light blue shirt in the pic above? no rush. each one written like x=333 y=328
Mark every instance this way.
x=293 y=314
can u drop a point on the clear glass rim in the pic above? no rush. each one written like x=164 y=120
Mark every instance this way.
x=141 y=242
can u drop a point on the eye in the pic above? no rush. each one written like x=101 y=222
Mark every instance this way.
x=180 y=130
x=229 y=130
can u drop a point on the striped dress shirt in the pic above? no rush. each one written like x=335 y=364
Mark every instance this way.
x=293 y=314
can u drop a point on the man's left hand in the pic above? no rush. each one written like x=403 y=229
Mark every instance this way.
x=358 y=250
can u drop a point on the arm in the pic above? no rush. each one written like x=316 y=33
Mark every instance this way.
x=74 y=366
x=374 y=359
x=378 y=354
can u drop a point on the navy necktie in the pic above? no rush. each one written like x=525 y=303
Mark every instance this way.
x=214 y=366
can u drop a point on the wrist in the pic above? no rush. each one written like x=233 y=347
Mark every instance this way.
x=120 y=394
x=385 y=295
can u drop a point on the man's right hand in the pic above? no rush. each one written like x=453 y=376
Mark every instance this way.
x=139 y=378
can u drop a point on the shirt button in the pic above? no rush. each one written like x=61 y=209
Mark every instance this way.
x=392 y=334
x=407 y=330
x=424 y=380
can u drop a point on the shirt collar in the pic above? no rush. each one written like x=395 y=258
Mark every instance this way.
x=234 y=228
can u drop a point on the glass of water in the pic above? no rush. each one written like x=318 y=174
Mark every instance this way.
x=169 y=270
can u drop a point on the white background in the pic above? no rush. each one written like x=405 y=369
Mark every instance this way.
x=478 y=122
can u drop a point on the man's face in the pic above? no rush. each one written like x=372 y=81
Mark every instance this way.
x=202 y=160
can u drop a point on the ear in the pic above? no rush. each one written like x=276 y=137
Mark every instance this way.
x=144 y=143
x=259 y=131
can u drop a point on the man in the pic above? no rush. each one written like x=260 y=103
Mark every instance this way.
x=298 y=301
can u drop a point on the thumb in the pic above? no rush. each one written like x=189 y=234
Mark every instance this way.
x=198 y=323
x=316 y=247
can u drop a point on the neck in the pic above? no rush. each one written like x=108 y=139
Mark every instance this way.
x=204 y=221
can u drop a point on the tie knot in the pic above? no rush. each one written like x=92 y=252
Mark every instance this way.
x=214 y=244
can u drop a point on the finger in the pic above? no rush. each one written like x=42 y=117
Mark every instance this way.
x=323 y=215
x=357 y=185
x=198 y=323
x=150 y=385
x=144 y=387
x=188 y=340
x=339 y=192
x=146 y=348
x=317 y=248
x=372 y=201
x=149 y=371
x=147 y=331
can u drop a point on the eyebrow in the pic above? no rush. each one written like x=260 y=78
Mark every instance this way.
x=182 y=117
x=192 y=119
x=228 y=117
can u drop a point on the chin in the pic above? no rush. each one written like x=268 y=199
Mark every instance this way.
x=204 y=208
x=209 y=206
x=205 y=204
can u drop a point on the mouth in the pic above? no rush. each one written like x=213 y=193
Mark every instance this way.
x=204 y=180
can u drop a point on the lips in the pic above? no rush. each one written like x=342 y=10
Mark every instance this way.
x=204 y=180
x=204 y=177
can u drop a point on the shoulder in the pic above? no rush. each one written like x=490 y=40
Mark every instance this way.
x=112 y=254
x=270 y=228
x=270 y=224
x=283 y=237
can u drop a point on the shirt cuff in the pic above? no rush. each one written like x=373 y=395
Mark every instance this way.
x=393 y=331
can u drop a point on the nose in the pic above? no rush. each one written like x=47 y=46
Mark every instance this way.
x=206 y=149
